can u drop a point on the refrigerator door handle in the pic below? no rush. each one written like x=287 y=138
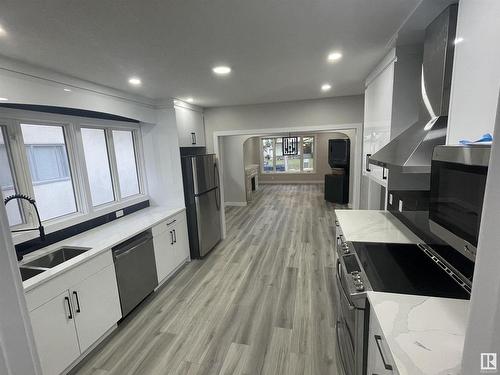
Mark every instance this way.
x=217 y=184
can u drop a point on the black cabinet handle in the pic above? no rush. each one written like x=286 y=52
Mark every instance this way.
x=173 y=221
x=171 y=238
x=78 y=310
x=193 y=138
x=368 y=162
x=70 y=316
x=384 y=176
x=377 y=340
x=175 y=236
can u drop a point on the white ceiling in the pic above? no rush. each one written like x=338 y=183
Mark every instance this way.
x=277 y=48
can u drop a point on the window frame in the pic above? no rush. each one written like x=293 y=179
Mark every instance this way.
x=11 y=120
x=301 y=154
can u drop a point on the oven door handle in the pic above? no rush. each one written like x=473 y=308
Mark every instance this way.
x=350 y=305
x=342 y=362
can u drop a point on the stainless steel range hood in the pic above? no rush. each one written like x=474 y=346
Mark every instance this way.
x=411 y=151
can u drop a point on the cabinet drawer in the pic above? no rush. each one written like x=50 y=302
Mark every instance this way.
x=53 y=287
x=380 y=359
x=169 y=223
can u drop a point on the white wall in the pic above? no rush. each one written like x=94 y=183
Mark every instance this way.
x=300 y=114
x=476 y=72
x=251 y=149
x=233 y=169
x=483 y=330
x=162 y=159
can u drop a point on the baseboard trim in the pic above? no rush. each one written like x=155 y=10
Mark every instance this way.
x=291 y=182
x=238 y=204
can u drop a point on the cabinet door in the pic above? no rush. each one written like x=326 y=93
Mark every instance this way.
x=55 y=334
x=181 y=245
x=164 y=252
x=190 y=127
x=97 y=306
x=378 y=116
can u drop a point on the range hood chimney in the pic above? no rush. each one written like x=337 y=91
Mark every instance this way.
x=411 y=151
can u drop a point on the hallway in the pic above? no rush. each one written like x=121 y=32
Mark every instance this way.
x=260 y=303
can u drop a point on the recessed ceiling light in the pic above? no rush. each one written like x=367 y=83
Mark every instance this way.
x=189 y=100
x=3 y=99
x=334 y=56
x=67 y=90
x=135 y=81
x=326 y=87
x=458 y=40
x=222 y=70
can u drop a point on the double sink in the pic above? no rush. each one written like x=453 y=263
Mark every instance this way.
x=48 y=261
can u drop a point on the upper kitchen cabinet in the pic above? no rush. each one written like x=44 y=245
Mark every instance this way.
x=190 y=127
x=391 y=103
x=476 y=77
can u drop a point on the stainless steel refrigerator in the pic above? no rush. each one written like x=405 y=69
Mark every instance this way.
x=203 y=202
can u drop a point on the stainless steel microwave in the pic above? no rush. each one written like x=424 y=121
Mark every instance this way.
x=458 y=181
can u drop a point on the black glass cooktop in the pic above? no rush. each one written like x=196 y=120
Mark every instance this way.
x=406 y=269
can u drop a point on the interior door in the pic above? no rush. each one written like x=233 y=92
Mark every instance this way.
x=55 y=334
x=208 y=217
x=97 y=306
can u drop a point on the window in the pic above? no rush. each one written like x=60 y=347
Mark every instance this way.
x=49 y=167
x=268 y=149
x=48 y=162
x=7 y=183
x=126 y=165
x=275 y=162
x=75 y=168
x=308 y=154
x=98 y=168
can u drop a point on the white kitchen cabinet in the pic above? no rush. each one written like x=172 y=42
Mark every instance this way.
x=181 y=244
x=72 y=311
x=96 y=306
x=380 y=361
x=190 y=127
x=378 y=114
x=171 y=244
x=392 y=93
x=55 y=334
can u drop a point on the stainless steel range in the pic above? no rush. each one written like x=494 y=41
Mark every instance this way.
x=387 y=267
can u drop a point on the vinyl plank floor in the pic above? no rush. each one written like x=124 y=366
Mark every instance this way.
x=261 y=303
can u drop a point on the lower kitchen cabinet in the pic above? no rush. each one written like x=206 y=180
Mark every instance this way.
x=69 y=324
x=96 y=305
x=380 y=361
x=55 y=334
x=171 y=244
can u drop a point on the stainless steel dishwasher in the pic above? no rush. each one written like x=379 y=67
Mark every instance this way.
x=135 y=269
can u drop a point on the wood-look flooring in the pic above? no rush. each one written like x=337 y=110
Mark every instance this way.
x=260 y=303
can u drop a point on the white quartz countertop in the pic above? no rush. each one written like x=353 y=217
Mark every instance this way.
x=425 y=334
x=374 y=226
x=98 y=240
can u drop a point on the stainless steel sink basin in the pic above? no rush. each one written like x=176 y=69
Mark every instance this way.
x=28 y=273
x=56 y=257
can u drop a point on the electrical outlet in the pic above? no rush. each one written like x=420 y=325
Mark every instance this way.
x=119 y=214
x=390 y=199
x=400 y=208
